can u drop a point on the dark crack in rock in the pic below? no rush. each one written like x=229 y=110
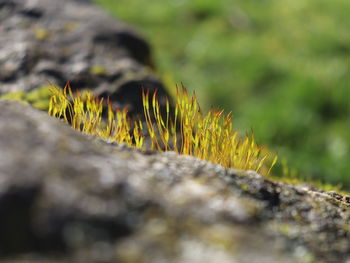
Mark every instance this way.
x=46 y=41
x=69 y=197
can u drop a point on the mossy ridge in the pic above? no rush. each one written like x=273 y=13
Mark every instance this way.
x=186 y=130
x=39 y=98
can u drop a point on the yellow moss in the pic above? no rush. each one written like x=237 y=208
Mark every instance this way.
x=39 y=94
x=41 y=105
x=17 y=96
x=98 y=70
x=186 y=131
x=41 y=33
x=38 y=98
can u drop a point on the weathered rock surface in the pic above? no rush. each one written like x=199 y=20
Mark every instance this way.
x=67 y=40
x=68 y=197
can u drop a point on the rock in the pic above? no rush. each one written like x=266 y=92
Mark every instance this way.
x=69 y=197
x=58 y=41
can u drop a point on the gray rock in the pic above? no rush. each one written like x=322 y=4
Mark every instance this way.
x=58 y=41
x=69 y=197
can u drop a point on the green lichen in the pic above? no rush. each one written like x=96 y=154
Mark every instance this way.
x=98 y=70
x=38 y=98
x=41 y=33
x=17 y=96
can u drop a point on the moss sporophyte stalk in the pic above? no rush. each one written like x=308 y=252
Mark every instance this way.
x=185 y=129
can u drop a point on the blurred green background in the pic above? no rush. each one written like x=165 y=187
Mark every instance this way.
x=281 y=66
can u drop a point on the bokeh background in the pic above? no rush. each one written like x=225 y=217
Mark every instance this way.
x=281 y=66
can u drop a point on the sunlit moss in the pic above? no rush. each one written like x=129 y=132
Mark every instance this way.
x=41 y=33
x=38 y=98
x=98 y=70
x=186 y=130
x=17 y=96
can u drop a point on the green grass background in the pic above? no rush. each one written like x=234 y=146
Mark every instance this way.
x=281 y=66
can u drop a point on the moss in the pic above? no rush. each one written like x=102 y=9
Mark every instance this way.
x=98 y=70
x=38 y=98
x=41 y=33
x=17 y=96
x=187 y=130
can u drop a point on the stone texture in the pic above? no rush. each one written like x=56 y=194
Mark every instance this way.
x=52 y=41
x=68 y=197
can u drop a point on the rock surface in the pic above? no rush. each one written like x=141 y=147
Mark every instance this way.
x=69 y=197
x=67 y=40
